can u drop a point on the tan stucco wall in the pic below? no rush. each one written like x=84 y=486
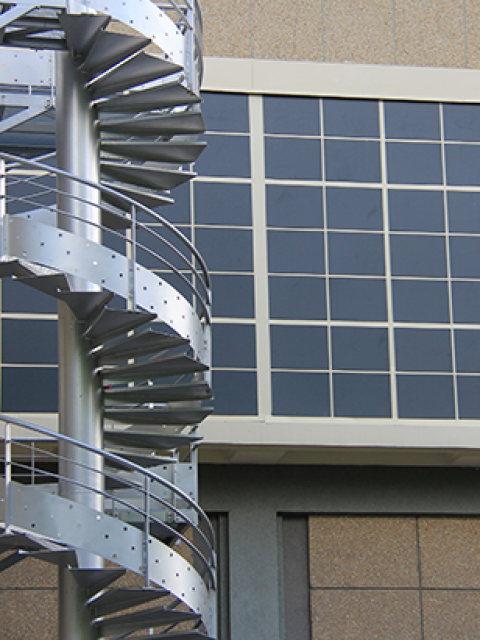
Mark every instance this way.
x=433 y=33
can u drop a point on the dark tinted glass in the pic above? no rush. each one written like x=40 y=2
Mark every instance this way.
x=178 y=212
x=292 y=159
x=425 y=396
x=233 y=345
x=295 y=252
x=295 y=116
x=359 y=348
x=234 y=296
x=468 y=389
x=462 y=122
x=361 y=395
x=356 y=254
x=354 y=209
x=412 y=120
x=300 y=394
x=462 y=164
x=418 y=256
x=350 y=118
x=298 y=347
x=464 y=212
x=226 y=204
x=416 y=210
x=296 y=298
x=226 y=249
x=465 y=257
x=29 y=341
x=20 y=298
x=294 y=206
x=413 y=163
x=357 y=299
x=420 y=301
x=423 y=350
x=225 y=112
x=225 y=156
x=466 y=302
x=235 y=392
x=352 y=160
x=29 y=390
x=157 y=239
x=467 y=351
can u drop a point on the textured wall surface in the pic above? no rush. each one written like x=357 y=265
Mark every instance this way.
x=394 y=577
x=435 y=33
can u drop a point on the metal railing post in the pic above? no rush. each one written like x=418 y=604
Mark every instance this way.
x=146 y=532
x=8 y=477
x=131 y=254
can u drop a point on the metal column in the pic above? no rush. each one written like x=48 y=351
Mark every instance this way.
x=79 y=391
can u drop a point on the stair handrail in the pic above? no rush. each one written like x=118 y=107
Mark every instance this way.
x=129 y=465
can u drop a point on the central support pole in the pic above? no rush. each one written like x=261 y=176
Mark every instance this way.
x=80 y=414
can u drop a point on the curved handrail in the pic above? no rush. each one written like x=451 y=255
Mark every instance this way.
x=208 y=537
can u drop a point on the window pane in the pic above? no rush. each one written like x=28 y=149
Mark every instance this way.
x=234 y=297
x=297 y=298
x=465 y=257
x=298 y=347
x=420 y=301
x=225 y=112
x=20 y=298
x=294 y=116
x=233 y=345
x=466 y=302
x=295 y=252
x=357 y=299
x=423 y=350
x=352 y=160
x=354 y=209
x=425 y=396
x=30 y=390
x=356 y=254
x=225 y=204
x=350 y=118
x=412 y=163
x=235 y=392
x=357 y=348
x=418 y=256
x=462 y=122
x=468 y=388
x=292 y=159
x=32 y=341
x=294 y=206
x=467 y=351
x=225 y=156
x=412 y=120
x=462 y=164
x=300 y=394
x=416 y=210
x=464 y=212
x=361 y=395
x=226 y=249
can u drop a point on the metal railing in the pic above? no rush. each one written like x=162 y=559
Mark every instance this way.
x=25 y=460
x=31 y=186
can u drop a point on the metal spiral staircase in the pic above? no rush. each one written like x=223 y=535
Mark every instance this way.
x=113 y=88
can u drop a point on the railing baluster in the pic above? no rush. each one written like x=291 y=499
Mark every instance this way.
x=147 y=530
x=8 y=477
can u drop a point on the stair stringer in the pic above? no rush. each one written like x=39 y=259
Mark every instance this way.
x=77 y=526
x=71 y=254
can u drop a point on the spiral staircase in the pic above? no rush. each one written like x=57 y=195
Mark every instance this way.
x=102 y=97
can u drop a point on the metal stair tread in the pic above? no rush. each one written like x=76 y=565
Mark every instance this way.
x=94 y=580
x=180 y=152
x=119 y=598
x=139 y=70
x=140 y=344
x=15 y=267
x=81 y=30
x=60 y=557
x=157 y=415
x=158 y=367
x=85 y=305
x=145 y=176
x=149 y=439
x=110 y=48
x=114 y=218
x=145 y=460
x=180 y=392
x=148 y=198
x=188 y=122
x=153 y=617
x=170 y=94
x=116 y=322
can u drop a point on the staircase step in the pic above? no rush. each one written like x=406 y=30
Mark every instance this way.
x=145 y=461
x=60 y=557
x=114 y=218
x=116 y=322
x=188 y=123
x=109 y=49
x=140 y=344
x=94 y=580
x=153 y=617
x=86 y=305
x=81 y=30
x=147 y=198
x=52 y=285
x=136 y=71
x=20 y=541
x=166 y=95
x=12 y=560
x=160 y=393
x=157 y=415
x=145 y=176
x=116 y=600
x=177 y=635
x=154 y=368
x=149 y=439
x=178 y=152
x=18 y=268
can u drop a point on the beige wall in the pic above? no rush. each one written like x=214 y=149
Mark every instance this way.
x=435 y=33
x=393 y=578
